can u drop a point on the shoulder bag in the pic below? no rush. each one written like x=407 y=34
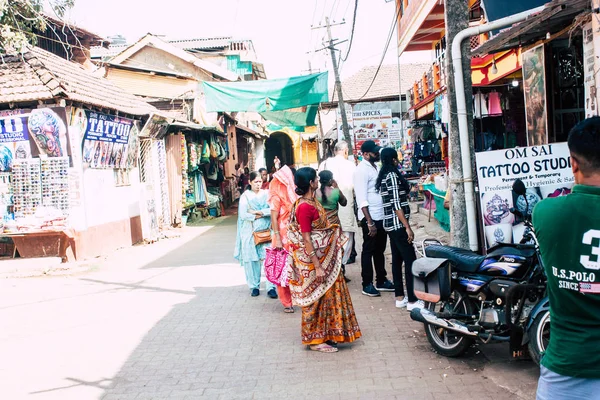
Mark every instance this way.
x=262 y=236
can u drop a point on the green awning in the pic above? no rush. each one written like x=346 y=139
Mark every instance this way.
x=304 y=116
x=278 y=128
x=266 y=95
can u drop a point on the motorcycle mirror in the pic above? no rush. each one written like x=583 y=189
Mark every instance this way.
x=519 y=188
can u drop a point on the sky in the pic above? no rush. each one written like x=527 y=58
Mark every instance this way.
x=280 y=29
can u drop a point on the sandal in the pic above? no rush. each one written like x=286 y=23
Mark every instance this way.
x=288 y=310
x=323 y=348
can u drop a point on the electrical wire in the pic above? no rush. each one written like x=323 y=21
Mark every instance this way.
x=323 y=13
x=331 y=13
x=387 y=45
x=352 y=32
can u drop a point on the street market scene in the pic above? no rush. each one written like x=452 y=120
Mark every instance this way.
x=328 y=199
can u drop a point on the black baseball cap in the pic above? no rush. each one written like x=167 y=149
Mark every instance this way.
x=370 y=147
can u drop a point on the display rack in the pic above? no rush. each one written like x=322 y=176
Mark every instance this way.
x=435 y=167
x=55 y=183
x=26 y=182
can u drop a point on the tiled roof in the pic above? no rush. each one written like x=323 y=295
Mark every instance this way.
x=386 y=83
x=40 y=75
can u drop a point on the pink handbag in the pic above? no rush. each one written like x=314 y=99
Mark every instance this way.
x=275 y=261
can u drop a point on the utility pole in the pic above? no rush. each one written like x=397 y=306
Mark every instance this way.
x=457 y=19
x=338 y=84
x=321 y=135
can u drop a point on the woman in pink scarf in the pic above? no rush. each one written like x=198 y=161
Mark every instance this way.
x=282 y=197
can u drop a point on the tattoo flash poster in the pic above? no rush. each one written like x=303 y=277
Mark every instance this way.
x=546 y=172
x=32 y=133
x=105 y=140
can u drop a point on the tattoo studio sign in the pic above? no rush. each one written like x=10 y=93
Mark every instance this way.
x=546 y=172
x=106 y=140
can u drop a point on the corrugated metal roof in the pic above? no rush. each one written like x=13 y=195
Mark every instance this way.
x=203 y=43
x=103 y=53
x=556 y=16
x=40 y=75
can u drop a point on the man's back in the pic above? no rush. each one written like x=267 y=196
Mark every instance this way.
x=342 y=170
x=568 y=229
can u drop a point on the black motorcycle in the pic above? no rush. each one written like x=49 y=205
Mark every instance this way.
x=500 y=297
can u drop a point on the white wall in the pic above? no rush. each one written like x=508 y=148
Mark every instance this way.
x=259 y=148
x=105 y=202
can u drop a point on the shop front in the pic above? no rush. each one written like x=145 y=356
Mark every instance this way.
x=68 y=180
x=183 y=173
x=522 y=119
x=425 y=156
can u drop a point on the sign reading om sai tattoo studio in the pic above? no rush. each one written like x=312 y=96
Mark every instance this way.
x=546 y=172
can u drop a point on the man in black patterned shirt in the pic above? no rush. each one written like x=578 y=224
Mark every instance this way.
x=394 y=191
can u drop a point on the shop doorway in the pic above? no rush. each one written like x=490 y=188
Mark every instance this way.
x=279 y=144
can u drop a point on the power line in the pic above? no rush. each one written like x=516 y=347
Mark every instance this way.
x=337 y=9
x=387 y=45
x=323 y=13
x=352 y=32
x=331 y=13
x=347 y=7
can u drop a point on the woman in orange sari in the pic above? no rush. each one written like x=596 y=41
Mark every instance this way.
x=316 y=283
x=281 y=199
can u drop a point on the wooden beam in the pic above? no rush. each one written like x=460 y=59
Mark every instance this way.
x=418 y=47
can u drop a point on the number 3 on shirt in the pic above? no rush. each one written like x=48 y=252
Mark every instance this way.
x=588 y=239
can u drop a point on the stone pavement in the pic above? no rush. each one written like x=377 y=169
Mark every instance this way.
x=174 y=320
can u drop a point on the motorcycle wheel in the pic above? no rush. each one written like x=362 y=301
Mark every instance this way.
x=448 y=343
x=539 y=336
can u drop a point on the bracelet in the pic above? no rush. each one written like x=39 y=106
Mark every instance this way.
x=312 y=253
x=373 y=224
x=275 y=232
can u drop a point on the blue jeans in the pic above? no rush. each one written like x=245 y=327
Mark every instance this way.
x=553 y=386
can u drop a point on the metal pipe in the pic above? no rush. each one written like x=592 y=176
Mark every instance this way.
x=461 y=108
x=427 y=317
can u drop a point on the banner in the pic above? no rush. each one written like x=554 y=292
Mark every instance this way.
x=534 y=87
x=372 y=125
x=546 y=172
x=395 y=131
x=589 y=73
x=105 y=139
x=156 y=127
x=31 y=133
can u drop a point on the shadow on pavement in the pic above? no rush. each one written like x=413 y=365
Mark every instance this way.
x=212 y=247
x=222 y=343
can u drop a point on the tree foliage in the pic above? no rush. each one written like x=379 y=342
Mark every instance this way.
x=20 y=19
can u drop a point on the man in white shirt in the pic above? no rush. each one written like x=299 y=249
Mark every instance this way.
x=370 y=214
x=343 y=173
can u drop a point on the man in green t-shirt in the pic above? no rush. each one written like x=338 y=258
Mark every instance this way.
x=568 y=230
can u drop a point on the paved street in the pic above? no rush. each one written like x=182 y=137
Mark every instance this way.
x=175 y=320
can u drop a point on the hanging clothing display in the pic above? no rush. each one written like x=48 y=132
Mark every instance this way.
x=437 y=109
x=445 y=110
x=494 y=108
x=480 y=105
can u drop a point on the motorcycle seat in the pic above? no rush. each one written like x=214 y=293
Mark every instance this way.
x=464 y=260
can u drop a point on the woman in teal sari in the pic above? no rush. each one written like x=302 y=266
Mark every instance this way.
x=254 y=214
